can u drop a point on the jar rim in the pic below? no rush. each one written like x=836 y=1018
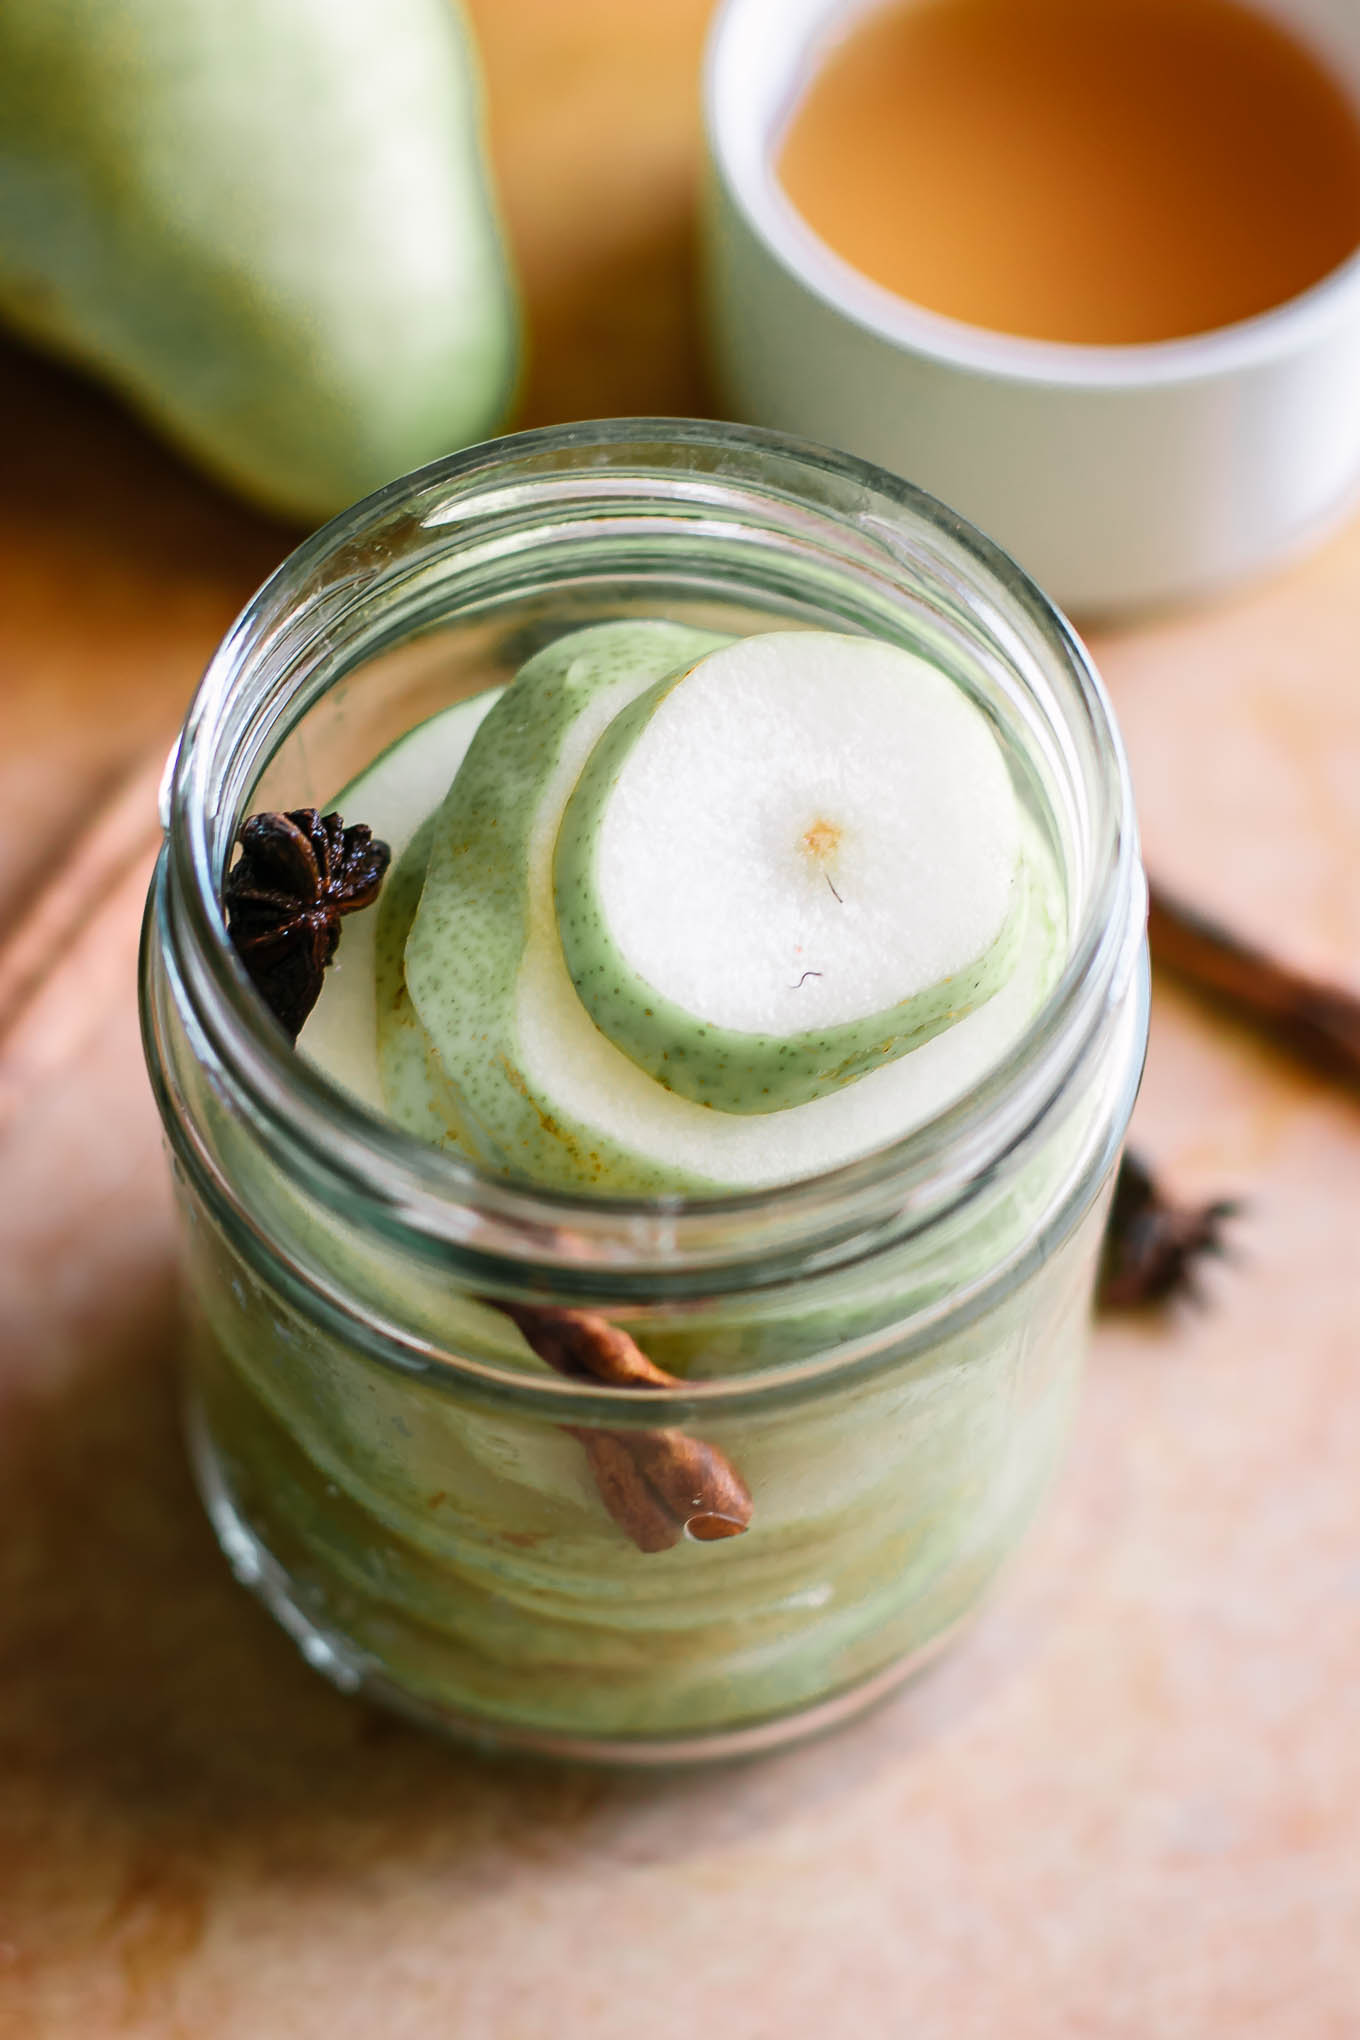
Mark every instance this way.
x=635 y=1244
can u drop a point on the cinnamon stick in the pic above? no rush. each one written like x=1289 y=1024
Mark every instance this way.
x=585 y=1346
x=69 y=956
x=661 y=1485
x=657 y=1485
x=115 y=835
x=1316 y=1020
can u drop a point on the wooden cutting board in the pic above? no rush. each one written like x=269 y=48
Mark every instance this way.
x=1128 y=1806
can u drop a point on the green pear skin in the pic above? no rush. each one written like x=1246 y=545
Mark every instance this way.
x=267 y=223
x=398 y=794
x=479 y=916
x=726 y=1068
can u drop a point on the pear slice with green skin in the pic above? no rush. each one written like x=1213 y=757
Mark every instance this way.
x=415 y=1090
x=790 y=864
x=406 y=1069
x=395 y=794
x=543 y=1093
x=486 y=909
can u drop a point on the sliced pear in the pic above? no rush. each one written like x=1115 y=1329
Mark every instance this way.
x=393 y=794
x=486 y=916
x=530 y=1077
x=567 y=1062
x=407 y=1072
x=788 y=865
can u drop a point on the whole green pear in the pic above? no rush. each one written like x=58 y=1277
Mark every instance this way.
x=267 y=223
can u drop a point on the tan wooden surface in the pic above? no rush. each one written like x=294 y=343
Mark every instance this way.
x=1129 y=1805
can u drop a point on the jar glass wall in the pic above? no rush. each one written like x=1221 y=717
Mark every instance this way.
x=886 y=1353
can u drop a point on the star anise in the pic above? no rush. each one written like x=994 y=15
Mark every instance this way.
x=297 y=874
x=1152 y=1244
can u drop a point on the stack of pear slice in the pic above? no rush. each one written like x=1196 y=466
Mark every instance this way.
x=694 y=913
x=787 y=864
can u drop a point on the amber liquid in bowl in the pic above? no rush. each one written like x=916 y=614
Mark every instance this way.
x=1105 y=172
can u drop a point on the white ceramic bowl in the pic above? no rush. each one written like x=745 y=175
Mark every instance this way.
x=1118 y=476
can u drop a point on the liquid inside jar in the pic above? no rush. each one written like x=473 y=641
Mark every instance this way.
x=1131 y=172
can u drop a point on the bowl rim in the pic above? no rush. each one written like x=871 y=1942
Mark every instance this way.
x=741 y=156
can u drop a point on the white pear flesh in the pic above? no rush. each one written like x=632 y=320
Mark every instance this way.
x=485 y=929
x=693 y=1149
x=523 y=1069
x=789 y=865
x=394 y=794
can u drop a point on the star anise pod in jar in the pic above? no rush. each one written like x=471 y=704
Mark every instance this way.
x=297 y=875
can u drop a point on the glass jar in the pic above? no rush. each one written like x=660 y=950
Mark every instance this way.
x=887 y=1353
